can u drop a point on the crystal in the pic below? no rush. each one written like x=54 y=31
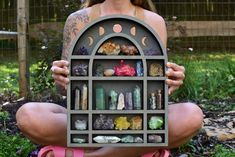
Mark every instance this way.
x=82 y=51
x=159 y=100
x=136 y=123
x=77 y=99
x=129 y=49
x=127 y=139
x=109 y=48
x=113 y=95
x=99 y=70
x=79 y=140
x=137 y=98
x=103 y=123
x=138 y=140
x=80 y=70
x=155 y=122
x=124 y=70
x=139 y=69
x=81 y=124
x=108 y=72
x=129 y=102
x=106 y=139
x=121 y=102
x=100 y=98
x=152 y=101
x=154 y=139
x=84 y=97
x=155 y=70
x=121 y=123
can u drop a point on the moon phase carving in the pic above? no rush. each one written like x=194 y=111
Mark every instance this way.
x=91 y=41
x=143 y=41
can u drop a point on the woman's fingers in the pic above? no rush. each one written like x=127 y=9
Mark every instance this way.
x=175 y=74
x=61 y=63
x=60 y=70
x=175 y=67
x=174 y=82
x=60 y=78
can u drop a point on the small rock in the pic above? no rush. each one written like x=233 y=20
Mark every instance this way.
x=229 y=125
x=183 y=155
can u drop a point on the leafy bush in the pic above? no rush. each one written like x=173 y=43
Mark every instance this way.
x=14 y=146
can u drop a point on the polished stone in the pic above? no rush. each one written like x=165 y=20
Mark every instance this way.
x=137 y=98
x=154 y=139
x=113 y=96
x=121 y=102
x=136 y=123
x=121 y=123
x=106 y=139
x=80 y=70
x=81 y=124
x=155 y=122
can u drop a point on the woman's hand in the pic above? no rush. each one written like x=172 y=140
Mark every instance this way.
x=175 y=75
x=60 y=72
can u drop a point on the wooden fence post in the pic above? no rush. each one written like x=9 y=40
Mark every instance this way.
x=22 y=29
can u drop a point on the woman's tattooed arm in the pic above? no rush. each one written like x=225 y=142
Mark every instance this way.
x=73 y=25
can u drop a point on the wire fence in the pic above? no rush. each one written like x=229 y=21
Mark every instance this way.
x=202 y=25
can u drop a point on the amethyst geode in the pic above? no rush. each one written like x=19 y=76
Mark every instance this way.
x=80 y=70
x=103 y=123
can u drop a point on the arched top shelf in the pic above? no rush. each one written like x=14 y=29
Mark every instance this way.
x=143 y=37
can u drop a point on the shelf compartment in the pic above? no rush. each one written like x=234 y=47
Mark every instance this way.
x=117 y=44
x=155 y=68
x=110 y=64
x=155 y=138
x=79 y=95
x=118 y=138
x=155 y=95
x=79 y=138
x=79 y=122
x=104 y=87
x=118 y=122
x=155 y=122
x=79 y=67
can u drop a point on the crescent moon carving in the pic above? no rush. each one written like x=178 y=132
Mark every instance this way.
x=144 y=41
x=133 y=31
x=101 y=31
x=91 y=41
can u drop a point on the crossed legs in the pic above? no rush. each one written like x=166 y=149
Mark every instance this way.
x=46 y=124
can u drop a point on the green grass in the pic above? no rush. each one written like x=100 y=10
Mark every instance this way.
x=208 y=76
x=14 y=145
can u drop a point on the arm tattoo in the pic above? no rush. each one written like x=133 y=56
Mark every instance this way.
x=73 y=25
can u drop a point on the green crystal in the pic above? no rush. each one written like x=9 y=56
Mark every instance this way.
x=113 y=96
x=137 y=98
x=127 y=139
x=155 y=122
x=100 y=98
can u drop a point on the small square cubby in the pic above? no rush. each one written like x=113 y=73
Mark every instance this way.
x=79 y=95
x=155 y=138
x=79 y=138
x=118 y=68
x=156 y=121
x=118 y=138
x=156 y=68
x=117 y=95
x=155 y=95
x=79 y=122
x=118 y=46
x=79 y=68
x=119 y=122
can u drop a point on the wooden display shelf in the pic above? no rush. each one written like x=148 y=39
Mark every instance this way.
x=150 y=51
